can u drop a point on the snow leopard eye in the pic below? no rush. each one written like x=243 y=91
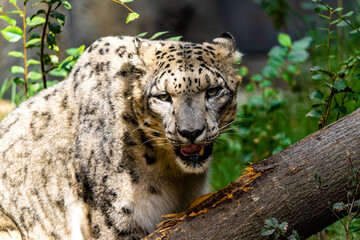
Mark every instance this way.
x=213 y=92
x=164 y=97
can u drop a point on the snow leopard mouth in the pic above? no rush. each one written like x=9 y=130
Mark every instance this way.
x=194 y=153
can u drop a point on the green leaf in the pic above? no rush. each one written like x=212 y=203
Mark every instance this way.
x=143 y=34
x=243 y=71
x=156 y=35
x=339 y=206
x=0 y=8
x=16 y=54
x=257 y=78
x=176 y=38
x=256 y=101
x=319 y=8
x=272 y=222
x=17 y=69
x=9 y=20
x=316 y=95
x=34 y=35
x=66 y=5
x=59 y=17
x=298 y=56
x=278 y=53
x=32 y=62
x=267 y=232
x=265 y=84
x=293 y=69
x=303 y=43
x=19 y=81
x=75 y=52
x=283 y=226
x=12 y=33
x=341 y=24
x=276 y=104
x=54 y=59
x=34 y=75
x=284 y=39
x=57 y=72
x=348 y=14
x=338 y=108
x=14 y=12
x=50 y=39
x=12 y=1
x=314 y=113
x=339 y=85
x=31 y=42
x=250 y=87
x=289 y=79
x=126 y=1
x=35 y=21
x=270 y=72
x=317 y=77
x=132 y=16
x=54 y=27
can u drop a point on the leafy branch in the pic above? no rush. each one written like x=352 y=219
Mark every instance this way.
x=338 y=78
x=132 y=15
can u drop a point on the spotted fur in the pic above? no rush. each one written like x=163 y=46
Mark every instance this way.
x=100 y=155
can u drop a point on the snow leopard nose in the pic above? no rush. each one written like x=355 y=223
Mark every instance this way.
x=191 y=135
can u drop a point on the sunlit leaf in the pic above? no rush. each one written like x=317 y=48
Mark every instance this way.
x=176 y=38
x=16 y=54
x=284 y=39
x=12 y=33
x=57 y=72
x=32 y=62
x=9 y=20
x=143 y=34
x=132 y=16
x=35 y=21
x=17 y=69
x=66 y=5
x=31 y=42
x=34 y=75
x=158 y=34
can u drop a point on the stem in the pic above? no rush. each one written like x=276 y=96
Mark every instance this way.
x=339 y=16
x=327 y=110
x=117 y=1
x=24 y=44
x=42 y=46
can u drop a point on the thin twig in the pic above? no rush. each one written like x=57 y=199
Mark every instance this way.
x=42 y=46
x=24 y=44
x=124 y=5
x=339 y=16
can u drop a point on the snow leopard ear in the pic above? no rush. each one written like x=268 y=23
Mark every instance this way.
x=227 y=40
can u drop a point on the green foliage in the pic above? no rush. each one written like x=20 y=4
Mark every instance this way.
x=43 y=27
x=256 y=134
x=339 y=73
x=275 y=230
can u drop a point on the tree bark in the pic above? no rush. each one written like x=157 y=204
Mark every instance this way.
x=282 y=187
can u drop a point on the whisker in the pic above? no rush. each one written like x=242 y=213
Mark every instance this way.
x=153 y=139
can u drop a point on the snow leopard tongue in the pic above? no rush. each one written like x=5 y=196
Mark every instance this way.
x=193 y=150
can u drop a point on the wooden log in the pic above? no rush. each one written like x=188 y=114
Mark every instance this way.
x=282 y=186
